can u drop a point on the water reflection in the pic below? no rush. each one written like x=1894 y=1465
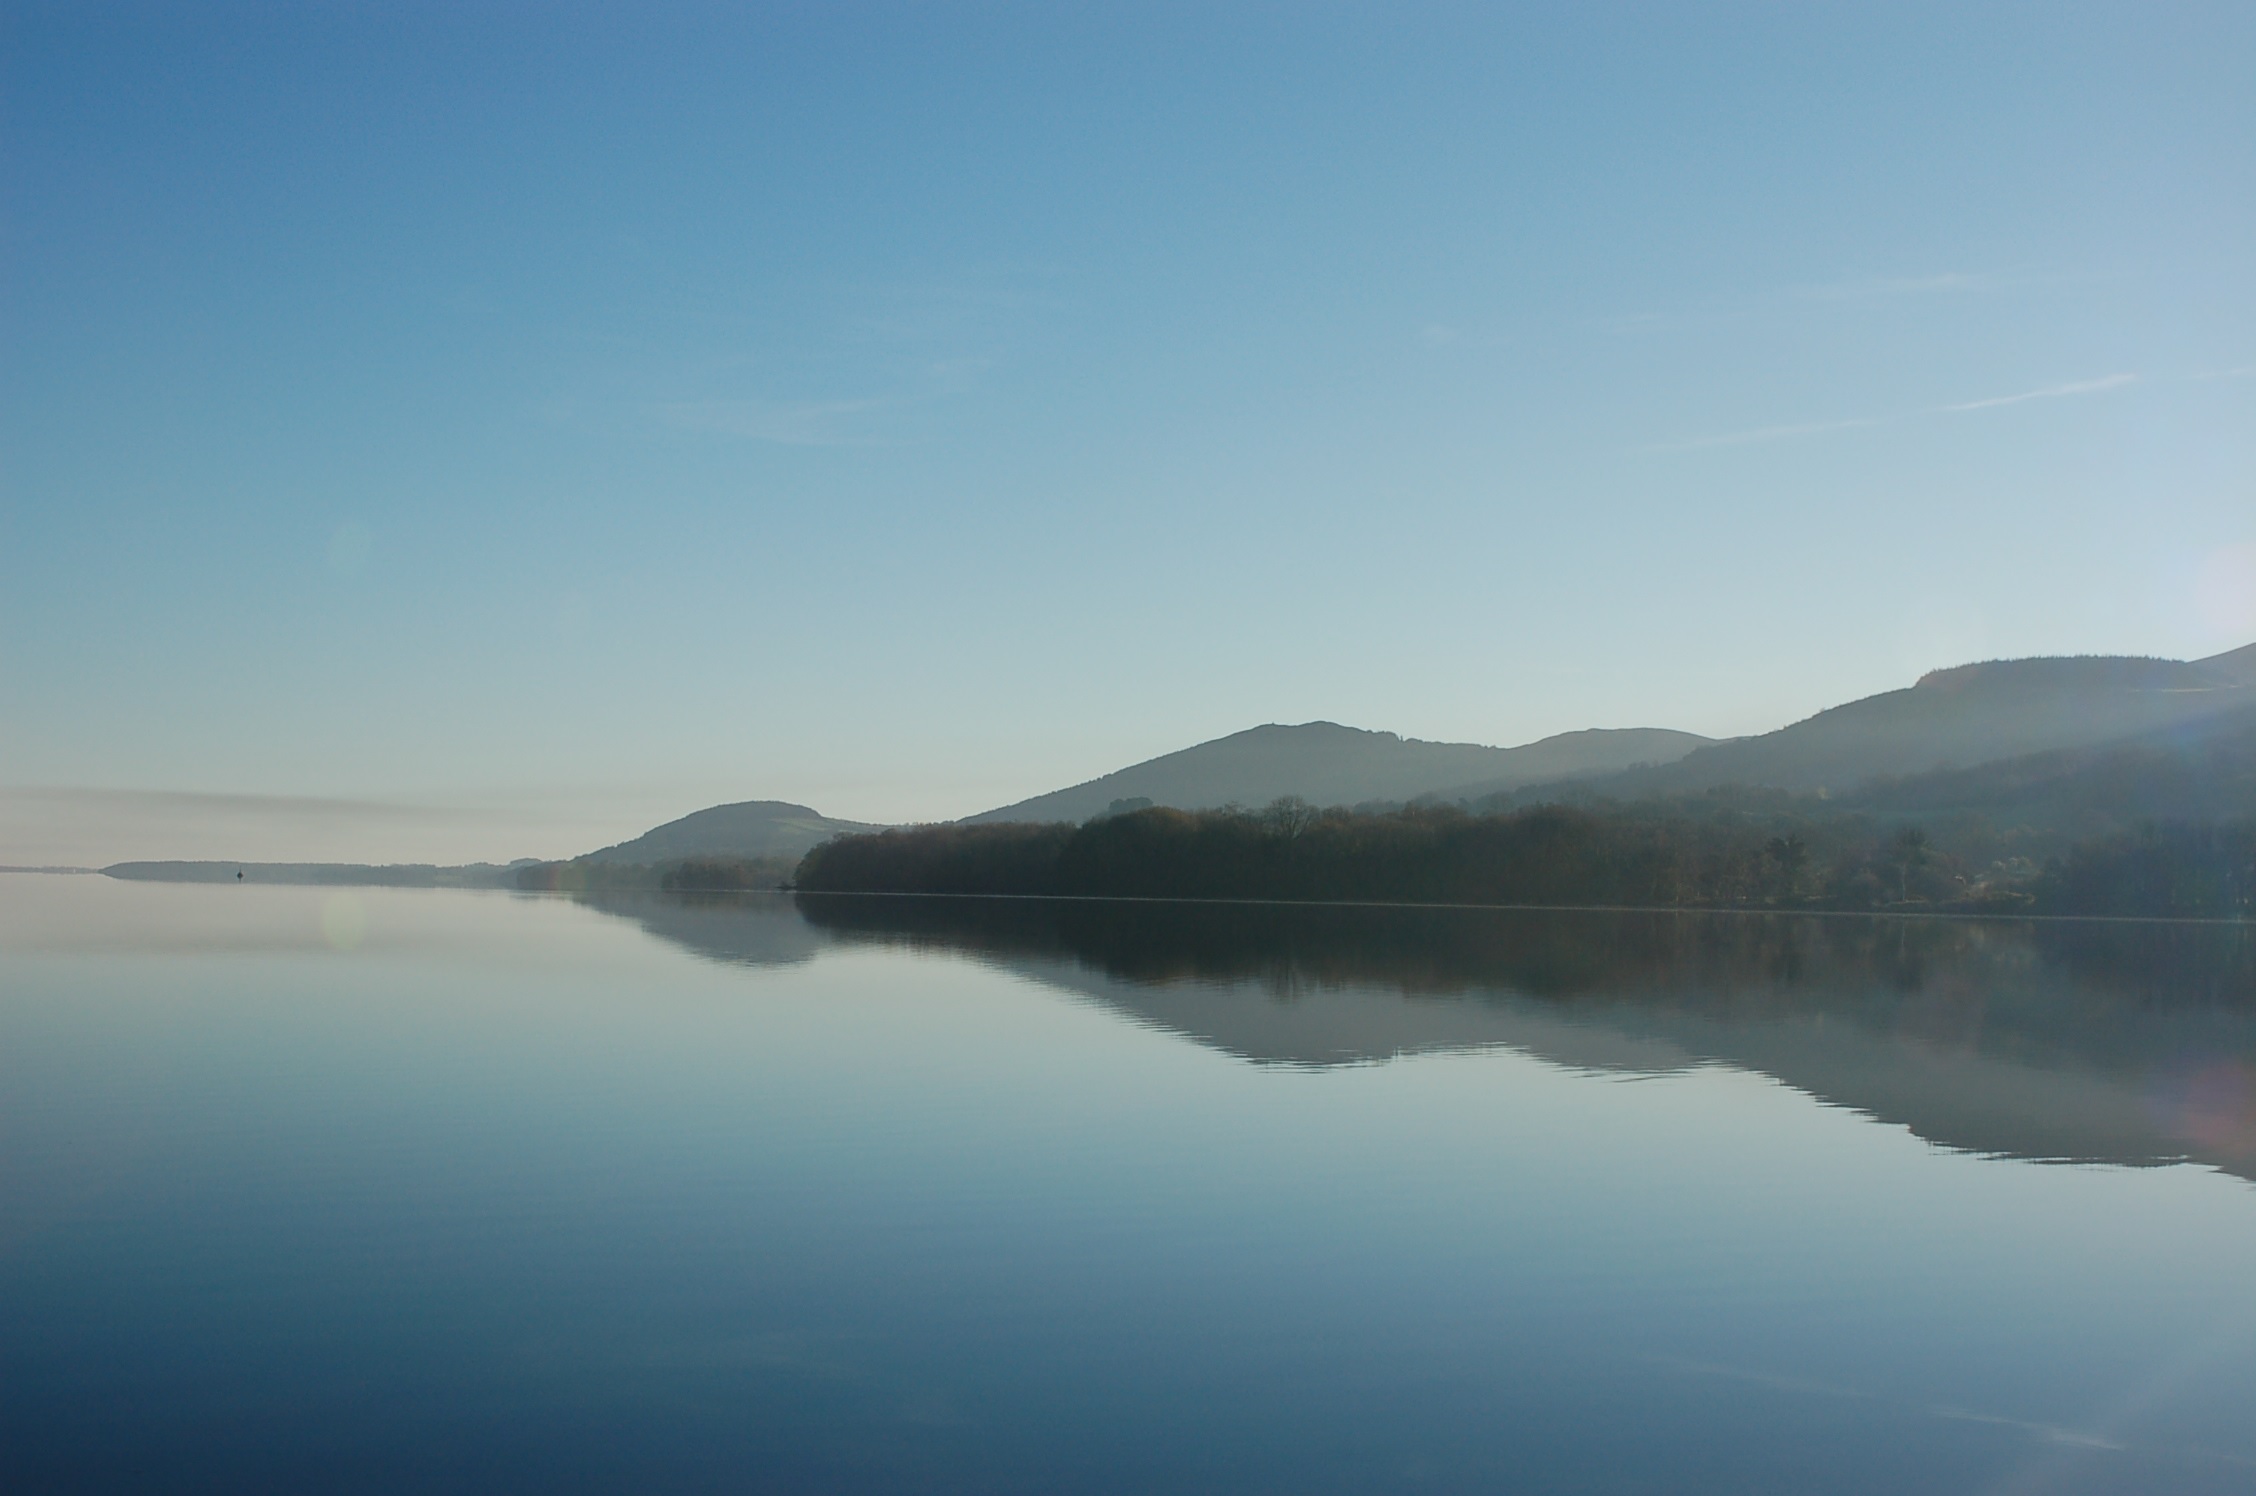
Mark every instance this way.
x=2083 y=1042
x=885 y=1195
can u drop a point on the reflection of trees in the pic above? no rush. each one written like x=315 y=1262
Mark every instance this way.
x=1727 y=958
x=2041 y=1039
x=2046 y=1039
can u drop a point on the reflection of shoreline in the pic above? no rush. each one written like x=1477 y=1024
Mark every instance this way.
x=2124 y=1042
x=1956 y=916
x=2173 y=964
x=318 y=874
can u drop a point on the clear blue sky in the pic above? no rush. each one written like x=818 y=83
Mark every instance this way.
x=903 y=409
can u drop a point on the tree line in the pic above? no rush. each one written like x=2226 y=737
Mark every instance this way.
x=1627 y=856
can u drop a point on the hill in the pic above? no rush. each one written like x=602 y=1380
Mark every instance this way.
x=750 y=844
x=2197 y=771
x=1959 y=718
x=1327 y=764
x=749 y=829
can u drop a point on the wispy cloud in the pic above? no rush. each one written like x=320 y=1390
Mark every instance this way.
x=155 y=802
x=951 y=376
x=1776 y=433
x=2049 y=392
x=1637 y=321
x=1943 y=283
x=1897 y=285
x=1806 y=299
x=880 y=367
x=1818 y=428
x=793 y=423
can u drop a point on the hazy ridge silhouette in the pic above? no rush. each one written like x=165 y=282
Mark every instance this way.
x=2048 y=749
x=1327 y=764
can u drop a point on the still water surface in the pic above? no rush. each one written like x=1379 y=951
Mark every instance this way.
x=444 y=1191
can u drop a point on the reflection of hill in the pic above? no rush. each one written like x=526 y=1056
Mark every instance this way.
x=2119 y=1043
x=742 y=929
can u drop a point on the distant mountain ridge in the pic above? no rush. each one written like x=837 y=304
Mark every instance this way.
x=2071 y=741
x=1327 y=764
x=1959 y=718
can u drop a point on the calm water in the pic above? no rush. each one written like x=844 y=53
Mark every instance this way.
x=399 y=1190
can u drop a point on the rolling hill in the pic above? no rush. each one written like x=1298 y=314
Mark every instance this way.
x=1327 y=764
x=2073 y=744
x=2203 y=770
x=749 y=829
x=1957 y=719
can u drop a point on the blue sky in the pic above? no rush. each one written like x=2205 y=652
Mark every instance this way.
x=575 y=416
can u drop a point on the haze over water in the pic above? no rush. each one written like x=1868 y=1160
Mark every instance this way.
x=375 y=1189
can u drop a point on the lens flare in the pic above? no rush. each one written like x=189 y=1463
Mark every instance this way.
x=344 y=924
x=2212 y=1106
x=2224 y=589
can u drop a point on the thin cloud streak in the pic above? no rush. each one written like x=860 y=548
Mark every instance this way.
x=1902 y=285
x=1994 y=402
x=160 y=801
x=1946 y=283
x=1776 y=433
x=81 y=826
x=2049 y=392
x=797 y=423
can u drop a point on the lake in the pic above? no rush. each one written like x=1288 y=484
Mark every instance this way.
x=378 y=1190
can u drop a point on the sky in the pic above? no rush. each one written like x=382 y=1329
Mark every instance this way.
x=484 y=430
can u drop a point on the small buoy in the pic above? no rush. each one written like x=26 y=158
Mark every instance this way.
x=238 y=875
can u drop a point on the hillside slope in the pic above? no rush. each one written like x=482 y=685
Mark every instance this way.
x=1962 y=717
x=1327 y=764
x=2197 y=771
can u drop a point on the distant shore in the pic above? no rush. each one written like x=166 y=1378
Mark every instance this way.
x=332 y=874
